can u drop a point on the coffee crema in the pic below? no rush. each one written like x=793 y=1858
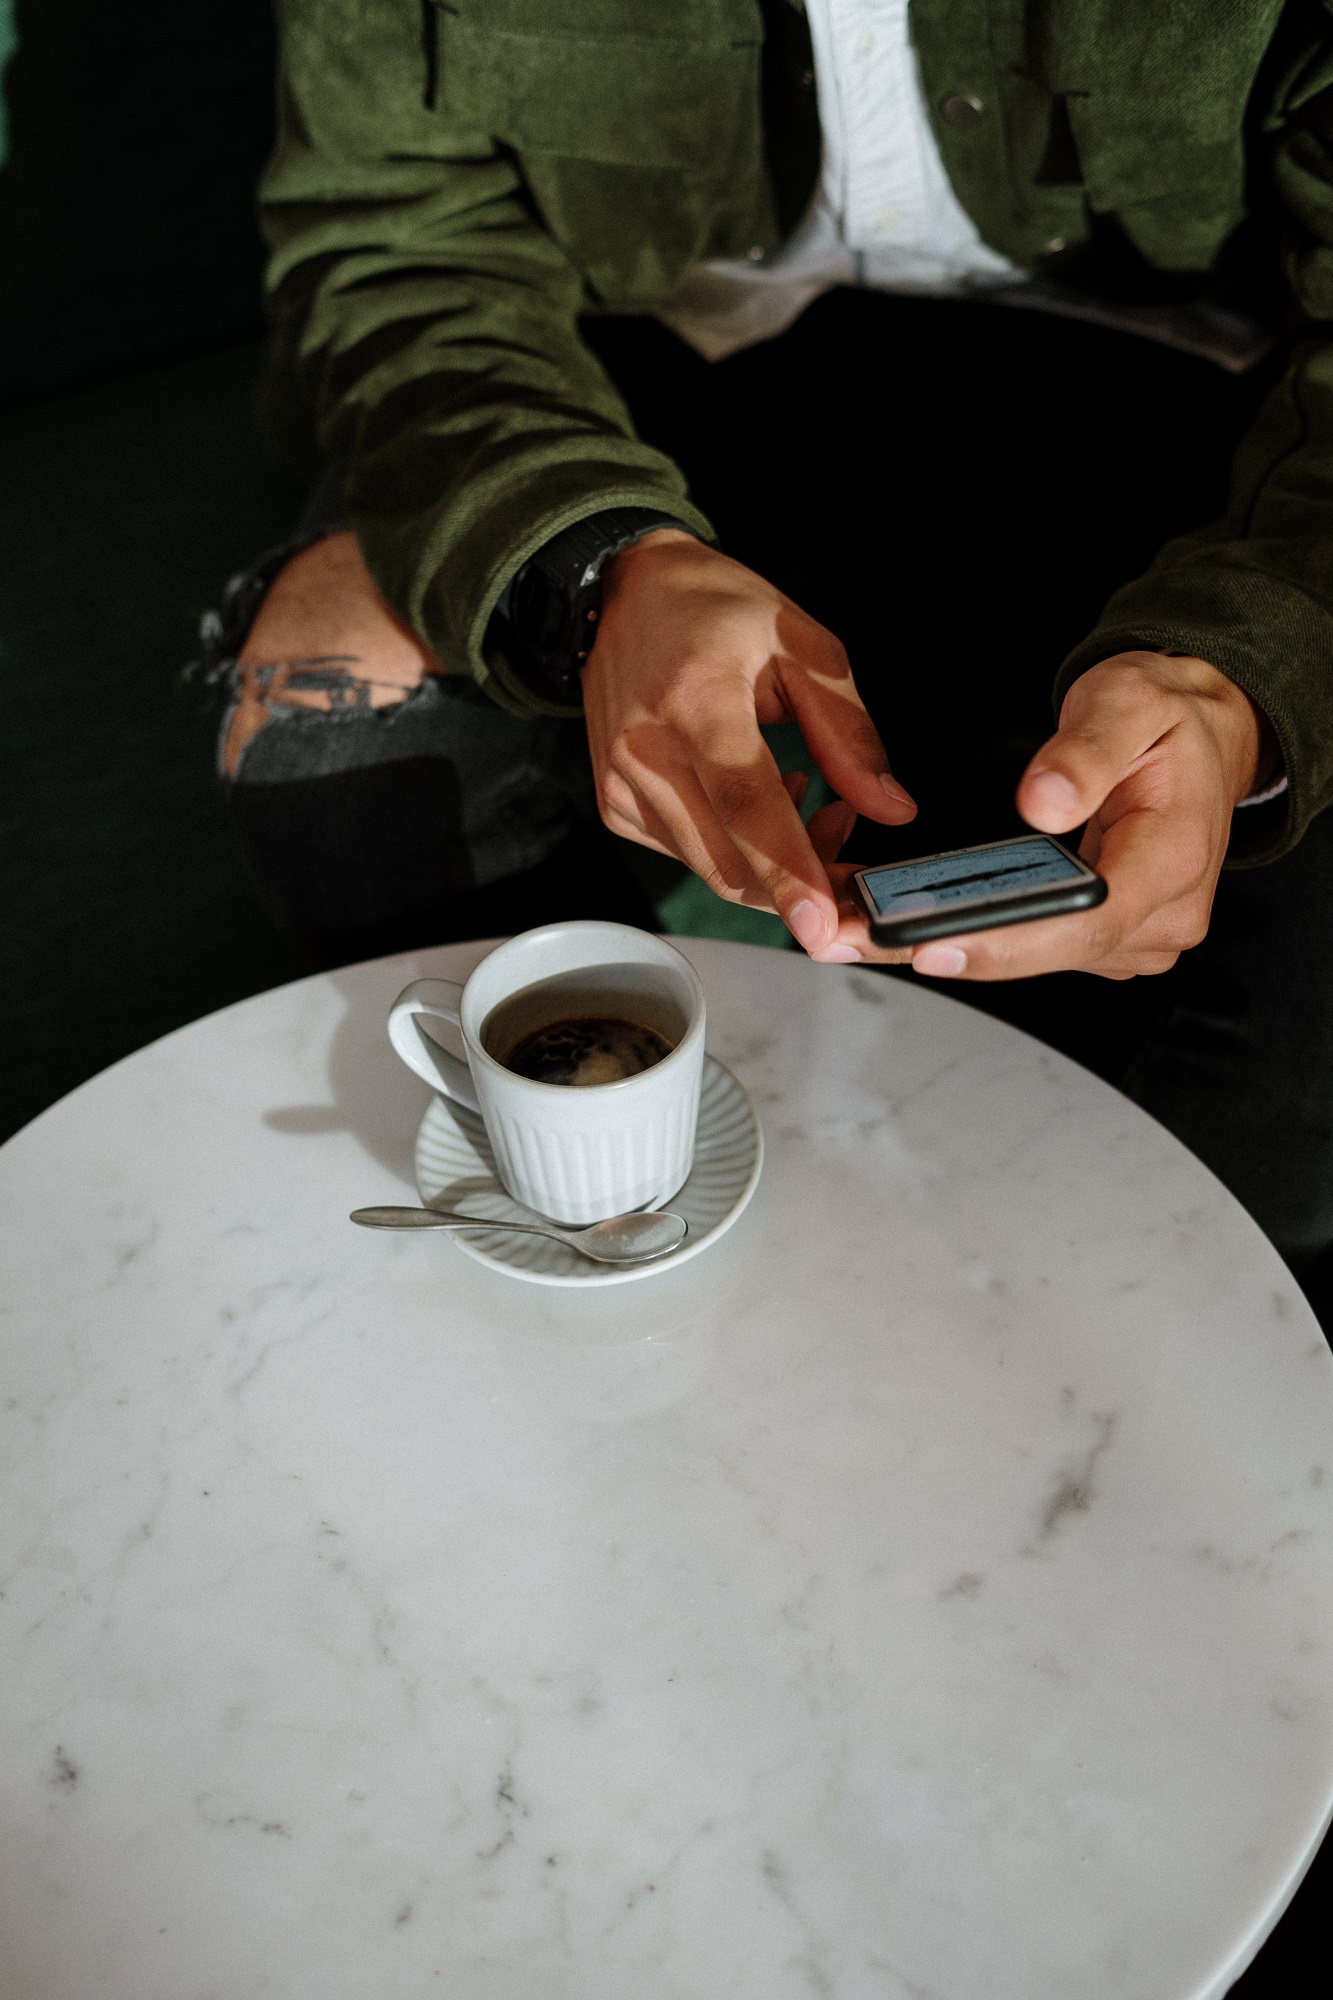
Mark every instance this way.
x=587 y=1049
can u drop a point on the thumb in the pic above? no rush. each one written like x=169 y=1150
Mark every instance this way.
x=1109 y=721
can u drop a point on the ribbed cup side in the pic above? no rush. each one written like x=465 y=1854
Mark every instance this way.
x=583 y=1176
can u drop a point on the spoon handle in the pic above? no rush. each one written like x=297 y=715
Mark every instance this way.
x=439 y=1218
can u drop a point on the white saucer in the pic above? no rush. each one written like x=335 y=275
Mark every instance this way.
x=455 y=1169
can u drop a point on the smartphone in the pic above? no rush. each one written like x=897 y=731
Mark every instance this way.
x=976 y=889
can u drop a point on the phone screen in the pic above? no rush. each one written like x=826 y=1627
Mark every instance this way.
x=983 y=875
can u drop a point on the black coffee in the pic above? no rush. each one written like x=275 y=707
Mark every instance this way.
x=594 y=1024
x=587 y=1049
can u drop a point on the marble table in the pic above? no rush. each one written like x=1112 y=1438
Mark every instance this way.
x=926 y=1594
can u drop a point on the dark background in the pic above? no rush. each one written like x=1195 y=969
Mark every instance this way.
x=131 y=486
x=126 y=194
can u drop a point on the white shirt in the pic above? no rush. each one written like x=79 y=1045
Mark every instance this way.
x=884 y=213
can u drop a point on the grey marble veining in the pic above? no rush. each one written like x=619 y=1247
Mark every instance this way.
x=926 y=1594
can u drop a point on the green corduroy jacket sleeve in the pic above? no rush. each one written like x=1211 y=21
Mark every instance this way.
x=1253 y=592
x=429 y=323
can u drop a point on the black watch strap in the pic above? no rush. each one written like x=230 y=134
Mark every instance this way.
x=546 y=620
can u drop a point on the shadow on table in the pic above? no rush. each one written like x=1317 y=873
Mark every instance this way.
x=374 y=1097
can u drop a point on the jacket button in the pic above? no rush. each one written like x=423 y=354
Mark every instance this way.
x=963 y=110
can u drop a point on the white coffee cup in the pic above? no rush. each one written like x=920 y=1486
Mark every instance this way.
x=576 y=1154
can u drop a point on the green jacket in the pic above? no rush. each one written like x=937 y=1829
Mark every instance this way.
x=445 y=200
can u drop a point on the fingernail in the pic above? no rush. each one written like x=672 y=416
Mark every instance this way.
x=838 y=954
x=1052 y=793
x=895 y=790
x=940 y=961
x=797 y=787
x=808 y=924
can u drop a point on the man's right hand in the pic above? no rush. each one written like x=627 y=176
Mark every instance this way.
x=693 y=653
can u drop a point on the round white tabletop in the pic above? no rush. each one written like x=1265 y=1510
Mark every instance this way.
x=925 y=1594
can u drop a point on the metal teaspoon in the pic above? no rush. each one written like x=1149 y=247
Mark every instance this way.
x=621 y=1239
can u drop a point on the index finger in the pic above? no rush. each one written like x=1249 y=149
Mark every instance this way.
x=744 y=787
x=819 y=691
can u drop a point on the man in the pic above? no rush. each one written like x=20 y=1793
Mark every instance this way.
x=416 y=675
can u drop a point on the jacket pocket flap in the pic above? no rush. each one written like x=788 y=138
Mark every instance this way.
x=668 y=99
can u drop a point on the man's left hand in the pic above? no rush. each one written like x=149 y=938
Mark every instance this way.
x=1153 y=751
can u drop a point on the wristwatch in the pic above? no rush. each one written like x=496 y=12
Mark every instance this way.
x=545 y=622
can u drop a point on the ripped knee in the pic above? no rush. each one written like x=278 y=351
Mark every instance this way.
x=333 y=684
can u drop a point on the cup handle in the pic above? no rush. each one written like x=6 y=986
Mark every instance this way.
x=440 y=1000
